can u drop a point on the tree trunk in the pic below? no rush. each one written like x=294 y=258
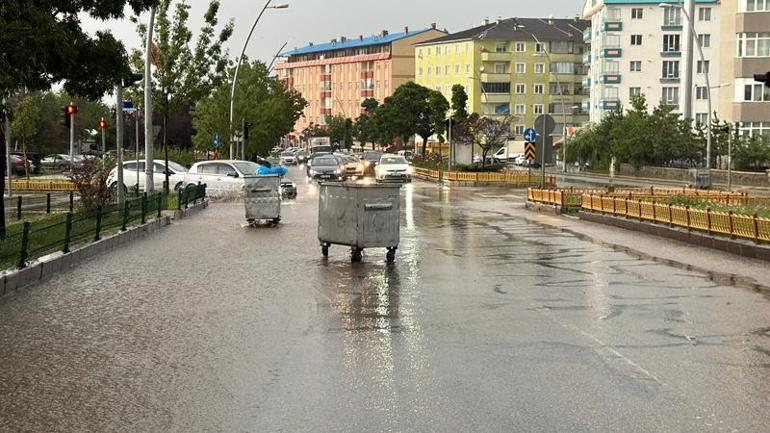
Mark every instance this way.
x=2 y=181
x=424 y=146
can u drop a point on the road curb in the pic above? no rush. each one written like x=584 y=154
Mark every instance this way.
x=13 y=282
x=189 y=211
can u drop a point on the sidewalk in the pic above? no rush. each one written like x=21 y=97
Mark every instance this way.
x=723 y=267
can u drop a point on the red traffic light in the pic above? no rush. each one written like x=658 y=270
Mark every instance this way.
x=102 y=123
x=72 y=109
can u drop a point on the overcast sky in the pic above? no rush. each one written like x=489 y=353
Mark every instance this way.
x=323 y=20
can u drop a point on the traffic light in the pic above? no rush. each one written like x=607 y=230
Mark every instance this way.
x=72 y=109
x=102 y=124
x=763 y=78
x=246 y=128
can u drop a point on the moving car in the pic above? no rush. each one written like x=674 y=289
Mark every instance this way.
x=371 y=159
x=288 y=158
x=223 y=178
x=301 y=157
x=59 y=161
x=328 y=167
x=393 y=168
x=288 y=189
x=354 y=167
x=33 y=158
x=176 y=176
x=17 y=166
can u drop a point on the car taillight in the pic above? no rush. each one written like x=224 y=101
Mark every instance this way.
x=112 y=173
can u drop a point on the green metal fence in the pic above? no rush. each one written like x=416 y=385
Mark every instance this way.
x=27 y=240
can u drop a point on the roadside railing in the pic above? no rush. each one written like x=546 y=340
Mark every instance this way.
x=734 y=225
x=41 y=185
x=571 y=197
x=24 y=241
x=34 y=205
x=516 y=178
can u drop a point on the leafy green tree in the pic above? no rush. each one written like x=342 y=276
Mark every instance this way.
x=459 y=103
x=341 y=131
x=413 y=109
x=262 y=100
x=630 y=139
x=43 y=43
x=491 y=134
x=24 y=125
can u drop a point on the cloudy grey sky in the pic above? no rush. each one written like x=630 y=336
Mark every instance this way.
x=323 y=20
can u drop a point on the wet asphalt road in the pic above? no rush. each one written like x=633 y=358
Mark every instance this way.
x=485 y=323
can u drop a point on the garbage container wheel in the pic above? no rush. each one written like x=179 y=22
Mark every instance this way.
x=276 y=220
x=391 y=256
x=356 y=255
x=325 y=250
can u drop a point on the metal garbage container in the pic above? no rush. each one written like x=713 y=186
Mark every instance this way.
x=359 y=216
x=262 y=198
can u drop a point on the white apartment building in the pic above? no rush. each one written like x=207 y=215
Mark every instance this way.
x=637 y=46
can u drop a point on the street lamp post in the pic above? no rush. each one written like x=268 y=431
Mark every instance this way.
x=238 y=65
x=706 y=72
x=149 y=141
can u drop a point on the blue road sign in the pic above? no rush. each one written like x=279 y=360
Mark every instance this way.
x=530 y=136
x=128 y=107
x=217 y=139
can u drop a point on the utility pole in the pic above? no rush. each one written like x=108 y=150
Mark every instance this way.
x=149 y=160
x=689 y=10
x=72 y=112
x=136 y=143
x=8 y=166
x=119 y=145
x=243 y=139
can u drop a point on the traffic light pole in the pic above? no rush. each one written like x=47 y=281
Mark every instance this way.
x=136 y=151
x=9 y=168
x=244 y=139
x=72 y=142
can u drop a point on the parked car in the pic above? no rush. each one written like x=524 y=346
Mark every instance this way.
x=393 y=168
x=223 y=178
x=176 y=177
x=17 y=166
x=59 y=161
x=371 y=159
x=288 y=158
x=33 y=158
x=520 y=160
x=328 y=167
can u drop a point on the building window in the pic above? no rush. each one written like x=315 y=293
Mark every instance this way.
x=634 y=91
x=705 y=41
x=701 y=119
x=521 y=109
x=457 y=48
x=537 y=108
x=496 y=87
x=754 y=44
x=751 y=91
x=703 y=67
x=467 y=68
x=755 y=5
x=671 y=43
x=429 y=71
x=501 y=68
x=501 y=47
x=538 y=89
x=428 y=51
x=704 y=14
x=636 y=39
x=670 y=96
x=519 y=130
x=563 y=68
x=558 y=89
x=446 y=70
x=446 y=49
x=419 y=71
x=539 y=68
x=636 y=66
x=521 y=47
x=419 y=52
x=457 y=69
x=467 y=47
x=701 y=93
x=503 y=109
x=672 y=16
x=670 y=69
x=755 y=129
x=637 y=13
x=521 y=68
x=538 y=48
x=521 y=89
x=438 y=70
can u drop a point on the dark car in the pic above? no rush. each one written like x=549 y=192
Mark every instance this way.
x=17 y=166
x=310 y=160
x=371 y=159
x=34 y=159
x=327 y=167
x=301 y=156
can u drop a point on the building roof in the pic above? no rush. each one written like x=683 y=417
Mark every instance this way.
x=545 y=29
x=353 y=43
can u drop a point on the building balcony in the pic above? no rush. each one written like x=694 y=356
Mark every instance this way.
x=326 y=111
x=586 y=82
x=587 y=58
x=669 y=80
x=491 y=77
x=611 y=78
x=673 y=103
x=612 y=53
x=496 y=98
x=671 y=27
x=586 y=106
x=587 y=35
x=326 y=77
x=671 y=54
x=495 y=57
x=613 y=25
x=610 y=104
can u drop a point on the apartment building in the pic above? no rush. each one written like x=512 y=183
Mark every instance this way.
x=335 y=77
x=745 y=48
x=520 y=66
x=638 y=47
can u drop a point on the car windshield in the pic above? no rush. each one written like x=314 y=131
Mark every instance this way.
x=391 y=160
x=287 y=154
x=325 y=161
x=246 y=167
x=179 y=168
x=372 y=156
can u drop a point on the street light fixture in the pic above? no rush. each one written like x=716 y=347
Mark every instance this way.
x=706 y=72
x=240 y=60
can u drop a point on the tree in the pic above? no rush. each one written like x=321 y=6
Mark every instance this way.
x=341 y=131
x=24 y=123
x=459 y=103
x=365 y=128
x=413 y=109
x=183 y=74
x=43 y=43
x=489 y=133
x=262 y=100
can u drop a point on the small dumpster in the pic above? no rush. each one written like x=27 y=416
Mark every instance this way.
x=359 y=216
x=262 y=198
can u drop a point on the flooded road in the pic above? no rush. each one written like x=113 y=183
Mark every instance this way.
x=485 y=323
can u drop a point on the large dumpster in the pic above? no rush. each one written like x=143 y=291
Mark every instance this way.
x=359 y=216
x=262 y=198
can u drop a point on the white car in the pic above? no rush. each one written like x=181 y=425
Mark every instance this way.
x=176 y=173
x=393 y=168
x=223 y=178
x=288 y=158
